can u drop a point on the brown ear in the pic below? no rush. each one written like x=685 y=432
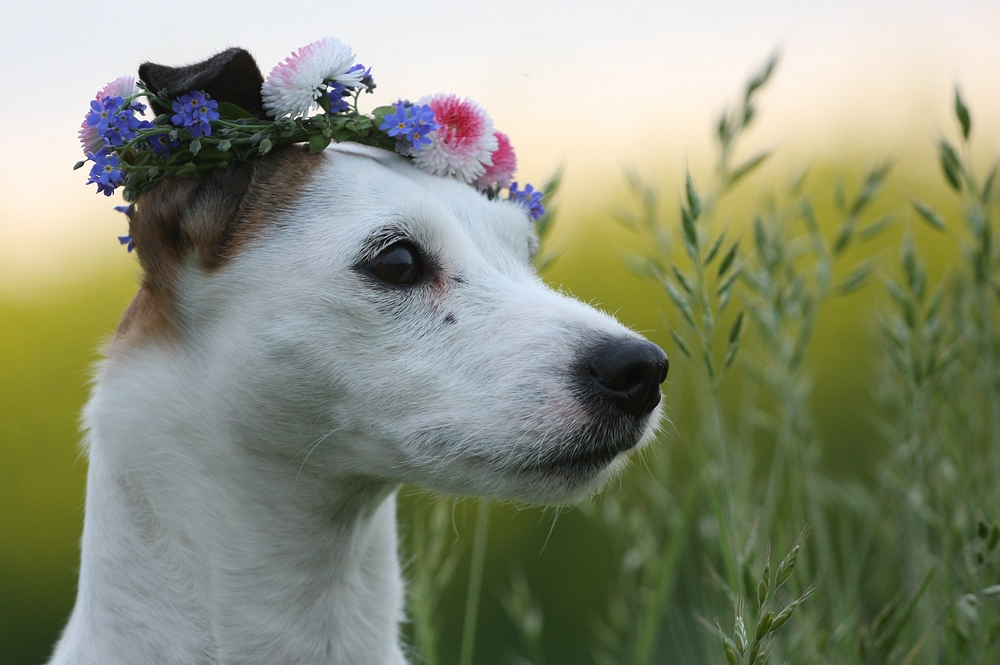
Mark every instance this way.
x=205 y=222
x=231 y=76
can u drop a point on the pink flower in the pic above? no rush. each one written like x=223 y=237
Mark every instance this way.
x=293 y=86
x=90 y=140
x=123 y=86
x=504 y=165
x=464 y=143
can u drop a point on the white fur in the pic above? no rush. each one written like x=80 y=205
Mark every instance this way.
x=241 y=490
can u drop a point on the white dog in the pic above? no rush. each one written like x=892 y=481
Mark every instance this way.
x=312 y=331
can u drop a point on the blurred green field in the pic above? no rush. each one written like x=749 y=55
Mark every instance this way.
x=50 y=342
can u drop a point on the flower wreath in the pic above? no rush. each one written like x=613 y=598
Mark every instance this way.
x=191 y=133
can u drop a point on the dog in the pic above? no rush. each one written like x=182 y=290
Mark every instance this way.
x=310 y=332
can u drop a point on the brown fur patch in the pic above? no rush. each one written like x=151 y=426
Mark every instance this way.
x=207 y=221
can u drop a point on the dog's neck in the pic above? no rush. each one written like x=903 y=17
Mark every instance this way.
x=195 y=554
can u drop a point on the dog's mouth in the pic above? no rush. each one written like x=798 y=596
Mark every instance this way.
x=589 y=455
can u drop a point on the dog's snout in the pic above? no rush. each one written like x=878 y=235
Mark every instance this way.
x=628 y=372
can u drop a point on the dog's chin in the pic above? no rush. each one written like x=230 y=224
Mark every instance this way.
x=582 y=465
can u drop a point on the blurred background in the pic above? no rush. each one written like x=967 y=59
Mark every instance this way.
x=596 y=89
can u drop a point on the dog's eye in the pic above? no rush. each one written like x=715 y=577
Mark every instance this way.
x=398 y=264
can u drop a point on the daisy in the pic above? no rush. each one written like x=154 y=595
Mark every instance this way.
x=504 y=165
x=293 y=86
x=464 y=143
x=123 y=86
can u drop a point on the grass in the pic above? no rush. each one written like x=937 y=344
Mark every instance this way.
x=897 y=565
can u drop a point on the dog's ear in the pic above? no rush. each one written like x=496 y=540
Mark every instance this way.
x=230 y=76
x=205 y=222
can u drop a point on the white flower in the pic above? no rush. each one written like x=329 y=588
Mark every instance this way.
x=464 y=143
x=293 y=86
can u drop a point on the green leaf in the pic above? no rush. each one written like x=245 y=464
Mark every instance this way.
x=224 y=145
x=679 y=341
x=928 y=214
x=745 y=169
x=844 y=234
x=343 y=134
x=727 y=283
x=680 y=302
x=725 y=290
x=735 y=334
x=912 y=268
x=991 y=178
x=690 y=234
x=682 y=279
x=195 y=146
x=762 y=76
x=714 y=249
x=737 y=329
x=760 y=238
x=722 y=128
x=264 y=147
x=728 y=259
x=318 y=143
x=950 y=164
x=639 y=265
x=230 y=111
x=857 y=278
x=380 y=112
x=876 y=228
x=962 y=113
x=873 y=183
x=187 y=170
x=694 y=201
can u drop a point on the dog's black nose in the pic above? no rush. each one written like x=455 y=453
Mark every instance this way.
x=628 y=372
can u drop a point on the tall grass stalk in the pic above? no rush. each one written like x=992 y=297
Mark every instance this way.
x=902 y=568
x=475 y=581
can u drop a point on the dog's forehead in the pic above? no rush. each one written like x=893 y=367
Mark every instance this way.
x=362 y=189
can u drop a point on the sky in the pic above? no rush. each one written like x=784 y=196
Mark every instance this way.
x=592 y=86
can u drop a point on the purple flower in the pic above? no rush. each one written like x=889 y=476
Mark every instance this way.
x=105 y=173
x=127 y=240
x=529 y=197
x=336 y=95
x=162 y=144
x=366 y=76
x=195 y=112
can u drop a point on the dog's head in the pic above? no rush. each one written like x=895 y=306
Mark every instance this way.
x=353 y=315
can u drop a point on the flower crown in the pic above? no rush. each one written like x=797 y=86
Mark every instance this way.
x=310 y=98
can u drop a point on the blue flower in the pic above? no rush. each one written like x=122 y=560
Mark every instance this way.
x=127 y=239
x=398 y=123
x=105 y=173
x=529 y=197
x=410 y=125
x=423 y=124
x=162 y=144
x=114 y=120
x=194 y=112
